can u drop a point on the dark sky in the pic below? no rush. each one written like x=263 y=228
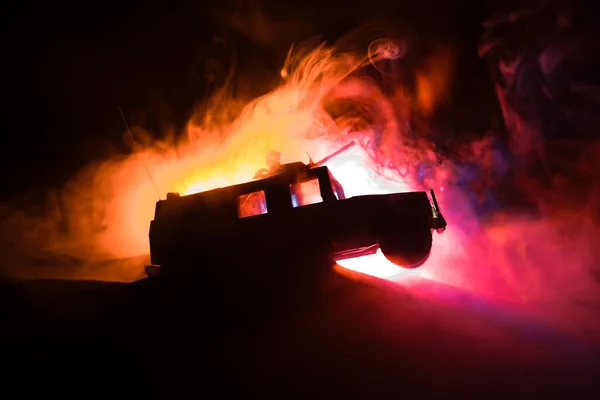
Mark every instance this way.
x=69 y=66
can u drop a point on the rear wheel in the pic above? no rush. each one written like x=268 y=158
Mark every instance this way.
x=407 y=248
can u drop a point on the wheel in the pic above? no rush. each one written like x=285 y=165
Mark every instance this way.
x=407 y=247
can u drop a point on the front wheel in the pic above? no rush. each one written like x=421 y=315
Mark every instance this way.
x=407 y=248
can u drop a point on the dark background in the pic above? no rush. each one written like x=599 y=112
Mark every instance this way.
x=69 y=66
x=67 y=69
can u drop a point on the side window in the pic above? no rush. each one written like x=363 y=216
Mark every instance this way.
x=305 y=193
x=251 y=204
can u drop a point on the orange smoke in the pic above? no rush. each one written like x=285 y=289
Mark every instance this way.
x=105 y=210
x=433 y=81
x=109 y=205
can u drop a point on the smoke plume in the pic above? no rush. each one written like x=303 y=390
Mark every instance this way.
x=519 y=227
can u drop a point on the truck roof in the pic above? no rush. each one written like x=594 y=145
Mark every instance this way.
x=290 y=174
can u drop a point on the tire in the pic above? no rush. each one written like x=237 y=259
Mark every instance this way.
x=408 y=247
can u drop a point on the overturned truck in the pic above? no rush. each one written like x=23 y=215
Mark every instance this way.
x=289 y=211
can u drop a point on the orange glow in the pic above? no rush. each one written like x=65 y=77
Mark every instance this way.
x=373 y=264
x=322 y=103
x=434 y=80
x=112 y=203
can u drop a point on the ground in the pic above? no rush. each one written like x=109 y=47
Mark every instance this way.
x=333 y=335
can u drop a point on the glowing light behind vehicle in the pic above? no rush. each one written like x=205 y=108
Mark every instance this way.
x=355 y=175
x=372 y=264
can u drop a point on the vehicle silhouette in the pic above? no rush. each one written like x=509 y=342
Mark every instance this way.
x=291 y=210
